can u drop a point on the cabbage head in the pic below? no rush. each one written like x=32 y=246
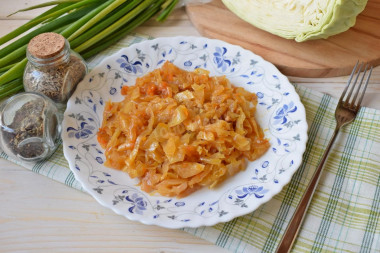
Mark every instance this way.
x=299 y=19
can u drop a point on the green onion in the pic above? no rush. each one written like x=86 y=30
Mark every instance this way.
x=112 y=28
x=96 y=15
x=104 y=23
x=15 y=72
x=6 y=68
x=13 y=87
x=44 y=5
x=121 y=33
x=90 y=26
x=60 y=11
x=168 y=9
x=54 y=25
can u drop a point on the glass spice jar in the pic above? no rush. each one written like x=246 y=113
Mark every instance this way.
x=53 y=69
x=30 y=127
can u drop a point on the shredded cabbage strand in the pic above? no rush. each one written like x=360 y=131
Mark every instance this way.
x=178 y=131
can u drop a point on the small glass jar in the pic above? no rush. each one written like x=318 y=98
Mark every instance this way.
x=53 y=69
x=30 y=127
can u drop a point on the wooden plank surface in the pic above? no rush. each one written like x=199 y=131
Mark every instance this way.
x=10 y=6
x=38 y=214
x=335 y=56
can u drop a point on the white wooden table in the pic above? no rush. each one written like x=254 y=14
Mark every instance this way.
x=41 y=215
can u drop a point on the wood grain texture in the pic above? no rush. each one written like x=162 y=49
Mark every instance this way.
x=11 y=6
x=334 y=56
x=38 y=214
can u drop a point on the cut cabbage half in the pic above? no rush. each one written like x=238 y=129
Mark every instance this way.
x=299 y=19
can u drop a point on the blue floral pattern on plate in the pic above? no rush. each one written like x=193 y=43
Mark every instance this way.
x=279 y=112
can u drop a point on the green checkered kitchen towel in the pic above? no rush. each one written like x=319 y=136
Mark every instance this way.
x=344 y=213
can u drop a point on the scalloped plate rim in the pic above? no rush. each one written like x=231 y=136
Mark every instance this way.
x=206 y=222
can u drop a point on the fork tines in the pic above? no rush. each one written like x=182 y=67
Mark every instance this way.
x=356 y=72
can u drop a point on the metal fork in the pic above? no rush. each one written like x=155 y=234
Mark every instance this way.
x=345 y=113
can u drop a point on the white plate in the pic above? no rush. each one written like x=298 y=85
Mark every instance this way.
x=280 y=113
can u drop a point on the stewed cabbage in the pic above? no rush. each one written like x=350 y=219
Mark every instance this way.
x=178 y=131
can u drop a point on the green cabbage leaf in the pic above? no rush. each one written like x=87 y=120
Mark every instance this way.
x=299 y=19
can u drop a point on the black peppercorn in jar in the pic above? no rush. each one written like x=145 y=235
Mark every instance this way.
x=53 y=69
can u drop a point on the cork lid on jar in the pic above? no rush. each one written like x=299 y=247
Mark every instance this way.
x=46 y=45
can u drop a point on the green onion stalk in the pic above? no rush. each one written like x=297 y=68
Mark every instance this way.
x=103 y=21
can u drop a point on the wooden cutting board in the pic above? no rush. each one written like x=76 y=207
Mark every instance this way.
x=335 y=56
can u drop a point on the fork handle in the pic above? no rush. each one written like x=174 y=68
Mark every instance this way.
x=300 y=213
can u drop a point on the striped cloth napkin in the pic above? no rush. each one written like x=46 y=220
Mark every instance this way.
x=344 y=213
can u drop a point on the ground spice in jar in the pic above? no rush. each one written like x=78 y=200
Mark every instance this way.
x=53 y=69
x=29 y=127
x=28 y=122
x=56 y=81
